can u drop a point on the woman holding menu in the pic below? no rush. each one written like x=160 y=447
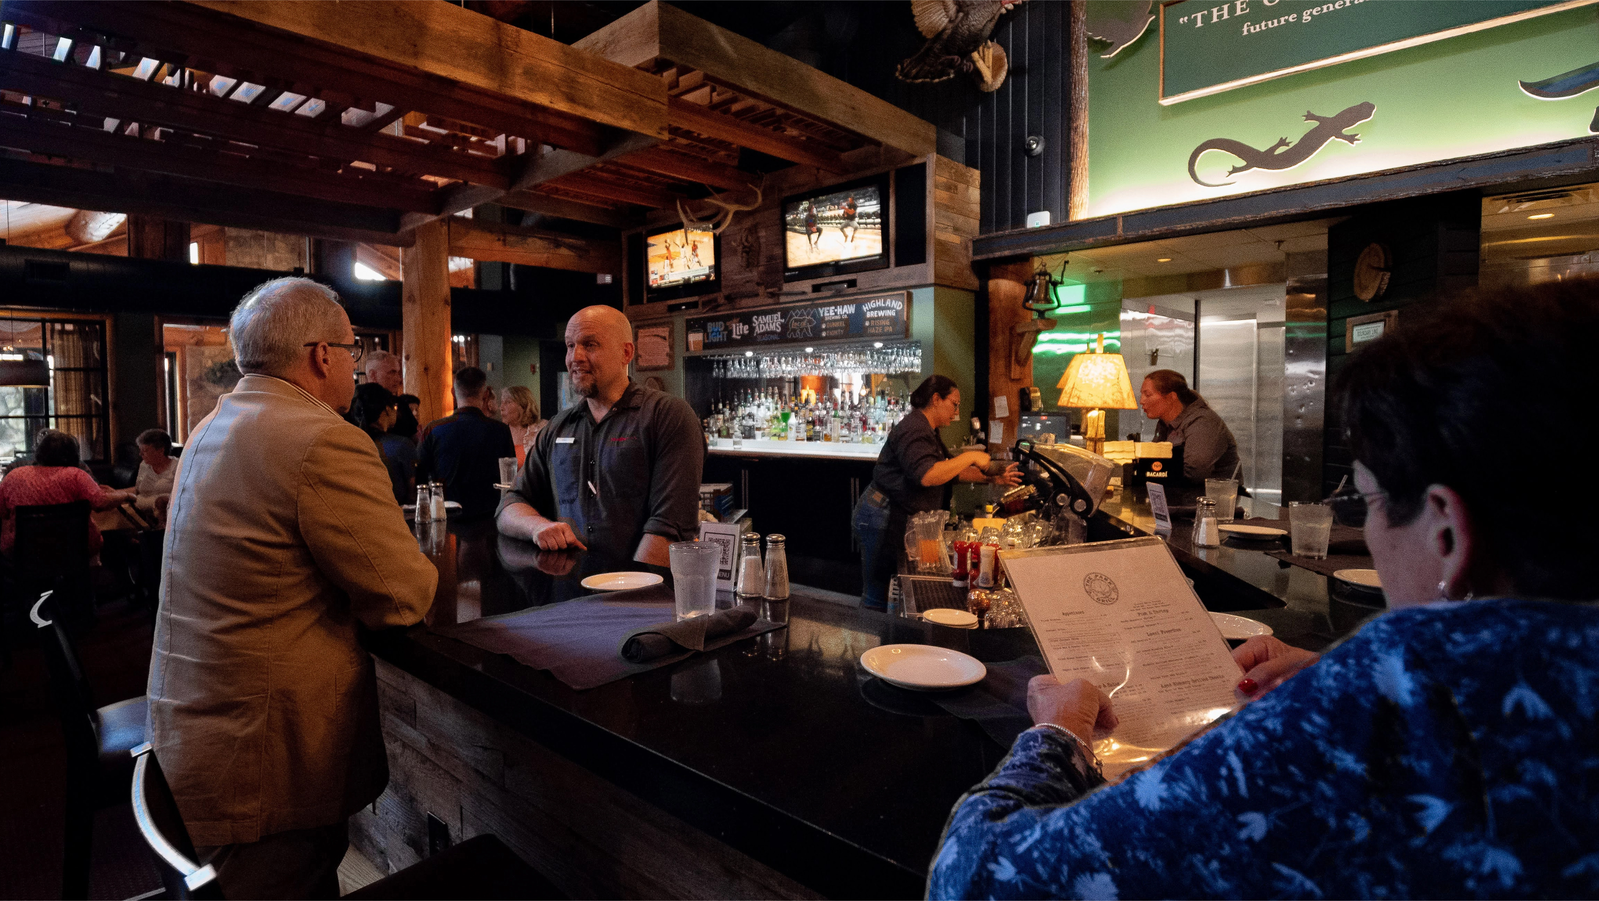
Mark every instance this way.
x=912 y=474
x=1450 y=748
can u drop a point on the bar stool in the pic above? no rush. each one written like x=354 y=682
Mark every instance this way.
x=98 y=740
x=481 y=867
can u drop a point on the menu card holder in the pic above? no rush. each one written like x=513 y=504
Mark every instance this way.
x=1122 y=615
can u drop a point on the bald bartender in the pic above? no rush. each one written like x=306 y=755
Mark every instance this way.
x=618 y=474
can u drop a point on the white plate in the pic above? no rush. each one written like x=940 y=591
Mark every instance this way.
x=923 y=668
x=621 y=581
x=1239 y=628
x=1365 y=578
x=1256 y=532
x=958 y=619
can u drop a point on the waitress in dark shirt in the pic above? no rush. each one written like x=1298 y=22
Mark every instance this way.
x=912 y=475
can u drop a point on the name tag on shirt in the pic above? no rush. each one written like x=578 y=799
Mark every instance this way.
x=565 y=440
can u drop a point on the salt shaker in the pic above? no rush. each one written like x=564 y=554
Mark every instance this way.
x=437 y=497
x=776 y=568
x=1207 y=530
x=751 y=584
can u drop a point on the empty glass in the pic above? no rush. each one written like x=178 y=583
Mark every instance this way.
x=1225 y=493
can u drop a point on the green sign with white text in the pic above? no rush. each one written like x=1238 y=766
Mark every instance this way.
x=1209 y=46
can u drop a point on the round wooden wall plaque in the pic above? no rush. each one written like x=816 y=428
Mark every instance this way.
x=1371 y=272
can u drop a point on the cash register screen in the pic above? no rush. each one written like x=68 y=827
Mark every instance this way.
x=1031 y=425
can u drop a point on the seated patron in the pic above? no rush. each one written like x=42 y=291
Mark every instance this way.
x=463 y=450
x=521 y=412
x=374 y=411
x=1449 y=748
x=57 y=476
x=157 y=469
x=617 y=474
x=383 y=368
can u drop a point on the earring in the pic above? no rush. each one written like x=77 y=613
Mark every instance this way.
x=1443 y=590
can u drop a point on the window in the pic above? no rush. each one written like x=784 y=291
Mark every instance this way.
x=75 y=402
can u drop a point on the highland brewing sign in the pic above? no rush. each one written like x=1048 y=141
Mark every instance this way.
x=1210 y=46
x=879 y=316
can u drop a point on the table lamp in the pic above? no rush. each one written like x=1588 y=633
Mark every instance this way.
x=1096 y=381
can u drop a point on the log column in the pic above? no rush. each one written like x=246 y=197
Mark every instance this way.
x=425 y=278
x=1007 y=287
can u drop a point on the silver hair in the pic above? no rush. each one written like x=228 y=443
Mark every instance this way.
x=270 y=327
x=371 y=360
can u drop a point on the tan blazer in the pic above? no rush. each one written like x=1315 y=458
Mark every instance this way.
x=283 y=536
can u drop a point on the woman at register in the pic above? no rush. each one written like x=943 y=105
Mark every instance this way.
x=912 y=472
x=1450 y=748
x=1209 y=451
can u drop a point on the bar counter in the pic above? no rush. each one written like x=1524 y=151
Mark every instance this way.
x=772 y=767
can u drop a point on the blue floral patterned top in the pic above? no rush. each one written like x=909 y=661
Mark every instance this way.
x=1450 y=750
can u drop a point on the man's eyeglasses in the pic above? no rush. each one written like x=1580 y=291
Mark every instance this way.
x=1349 y=506
x=356 y=350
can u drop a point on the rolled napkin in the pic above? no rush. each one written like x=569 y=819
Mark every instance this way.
x=662 y=639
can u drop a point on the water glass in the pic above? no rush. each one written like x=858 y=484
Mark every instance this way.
x=1225 y=493
x=694 y=566
x=1312 y=529
x=507 y=470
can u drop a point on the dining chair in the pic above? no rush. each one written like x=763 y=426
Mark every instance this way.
x=51 y=553
x=97 y=739
x=480 y=867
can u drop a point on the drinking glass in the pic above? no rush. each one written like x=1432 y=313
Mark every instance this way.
x=694 y=565
x=1225 y=493
x=507 y=470
x=1312 y=529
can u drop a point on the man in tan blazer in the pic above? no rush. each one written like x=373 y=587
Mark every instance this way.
x=283 y=540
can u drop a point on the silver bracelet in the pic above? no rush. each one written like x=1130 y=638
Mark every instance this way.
x=1073 y=737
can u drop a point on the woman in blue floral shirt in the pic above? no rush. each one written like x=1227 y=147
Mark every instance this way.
x=1448 y=749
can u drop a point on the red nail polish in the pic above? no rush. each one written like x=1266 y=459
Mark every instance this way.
x=1248 y=687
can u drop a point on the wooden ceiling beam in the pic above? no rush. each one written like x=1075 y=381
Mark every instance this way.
x=594 y=185
x=693 y=117
x=561 y=208
x=186 y=30
x=128 y=99
x=190 y=200
x=689 y=169
x=532 y=247
x=526 y=66
x=94 y=145
x=555 y=163
x=657 y=33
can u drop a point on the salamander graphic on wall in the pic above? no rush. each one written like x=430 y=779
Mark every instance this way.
x=1567 y=84
x=1284 y=154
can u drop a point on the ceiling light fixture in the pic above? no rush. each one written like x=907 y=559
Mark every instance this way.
x=1542 y=216
x=1163 y=259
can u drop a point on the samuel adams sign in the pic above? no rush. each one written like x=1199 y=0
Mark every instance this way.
x=880 y=316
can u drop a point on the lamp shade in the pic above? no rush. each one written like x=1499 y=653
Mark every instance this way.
x=1097 y=381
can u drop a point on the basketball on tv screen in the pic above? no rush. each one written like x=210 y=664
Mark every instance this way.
x=680 y=257
x=838 y=227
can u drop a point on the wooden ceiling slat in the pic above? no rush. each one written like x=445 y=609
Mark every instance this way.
x=532 y=247
x=684 y=167
x=595 y=186
x=115 y=96
x=596 y=211
x=191 y=200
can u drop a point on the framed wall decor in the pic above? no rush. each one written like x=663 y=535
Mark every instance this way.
x=654 y=347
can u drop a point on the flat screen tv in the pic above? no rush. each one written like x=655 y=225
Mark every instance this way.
x=837 y=230
x=680 y=262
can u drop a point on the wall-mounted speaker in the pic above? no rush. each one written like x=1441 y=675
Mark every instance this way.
x=910 y=215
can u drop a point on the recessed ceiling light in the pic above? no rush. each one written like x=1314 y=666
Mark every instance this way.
x=1163 y=259
x=1542 y=216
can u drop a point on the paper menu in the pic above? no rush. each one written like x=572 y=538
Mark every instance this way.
x=1122 y=615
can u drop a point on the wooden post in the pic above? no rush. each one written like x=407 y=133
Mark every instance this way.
x=150 y=238
x=425 y=308
x=1007 y=286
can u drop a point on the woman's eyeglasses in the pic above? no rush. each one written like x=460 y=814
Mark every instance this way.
x=1349 y=506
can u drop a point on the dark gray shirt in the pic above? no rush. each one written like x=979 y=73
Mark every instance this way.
x=634 y=472
x=1209 y=451
x=912 y=448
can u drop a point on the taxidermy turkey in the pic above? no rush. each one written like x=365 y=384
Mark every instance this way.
x=957 y=33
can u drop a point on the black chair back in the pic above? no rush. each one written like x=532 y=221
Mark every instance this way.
x=51 y=553
x=159 y=822
x=74 y=701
